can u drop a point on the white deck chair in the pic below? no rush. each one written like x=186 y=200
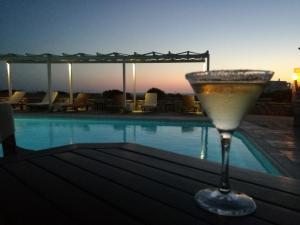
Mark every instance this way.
x=45 y=100
x=150 y=102
x=15 y=98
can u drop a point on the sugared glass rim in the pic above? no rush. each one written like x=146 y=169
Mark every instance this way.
x=230 y=75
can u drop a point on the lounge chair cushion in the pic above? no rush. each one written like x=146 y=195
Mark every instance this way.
x=151 y=99
x=16 y=97
x=45 y=100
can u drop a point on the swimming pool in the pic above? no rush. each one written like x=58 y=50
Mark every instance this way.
x=192 y=138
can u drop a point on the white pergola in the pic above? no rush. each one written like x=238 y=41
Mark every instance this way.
x=69 y=59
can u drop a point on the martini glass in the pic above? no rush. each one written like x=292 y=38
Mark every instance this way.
x=226 y=96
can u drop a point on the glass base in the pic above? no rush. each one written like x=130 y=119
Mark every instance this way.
x=231 y=204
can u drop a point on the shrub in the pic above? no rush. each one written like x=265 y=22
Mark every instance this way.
x=112 y=93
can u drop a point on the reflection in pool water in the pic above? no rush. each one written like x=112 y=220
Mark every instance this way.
x=196 y=139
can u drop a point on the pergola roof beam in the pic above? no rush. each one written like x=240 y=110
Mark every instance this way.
x=114 y=57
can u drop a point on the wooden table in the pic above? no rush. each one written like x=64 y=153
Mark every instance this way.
x=130 y=184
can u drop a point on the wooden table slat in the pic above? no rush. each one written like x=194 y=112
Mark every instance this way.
x=29 y=206
x=130 y=184
x=66 y=196
x=93 y=166
x=152 y=211
x=142 y=185
x=260 y=192
x=272 y=182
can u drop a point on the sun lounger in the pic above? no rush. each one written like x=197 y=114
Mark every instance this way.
x=44 y=103
x=16 y=99
x=80 y=103
x=189 y=103
x=150 y=102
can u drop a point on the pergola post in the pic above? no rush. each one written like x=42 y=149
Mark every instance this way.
x=70 y=84
x=204 y=65
x=124 y=86
x=134 y=86
x=49 y=84
x=9 y=79
x=207 y=62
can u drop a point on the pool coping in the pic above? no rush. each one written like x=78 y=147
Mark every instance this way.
x=148 y=116
x=244 y=129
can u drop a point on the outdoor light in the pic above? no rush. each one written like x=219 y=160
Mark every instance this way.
x=297 y=72
x=296 y=77
x=8 y=68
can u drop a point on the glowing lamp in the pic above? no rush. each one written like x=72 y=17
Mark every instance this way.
x=296 y=77
x=297 y=73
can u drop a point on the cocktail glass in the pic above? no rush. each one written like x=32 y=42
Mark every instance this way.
x=226 y=96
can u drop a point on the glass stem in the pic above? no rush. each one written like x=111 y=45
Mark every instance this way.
x=224 y=186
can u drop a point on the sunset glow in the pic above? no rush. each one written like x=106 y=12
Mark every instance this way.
x=239 y=35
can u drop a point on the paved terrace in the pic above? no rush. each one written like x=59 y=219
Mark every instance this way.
x=277 y=137
x=274 y=135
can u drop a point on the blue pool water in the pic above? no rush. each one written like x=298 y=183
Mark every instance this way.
x=196 y=139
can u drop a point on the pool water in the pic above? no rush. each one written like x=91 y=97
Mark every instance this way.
x=196 y=139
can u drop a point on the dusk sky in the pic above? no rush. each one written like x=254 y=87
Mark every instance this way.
x=248 y=34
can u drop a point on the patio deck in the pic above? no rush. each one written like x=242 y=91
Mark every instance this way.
x=278 y=139
x=130 y=184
